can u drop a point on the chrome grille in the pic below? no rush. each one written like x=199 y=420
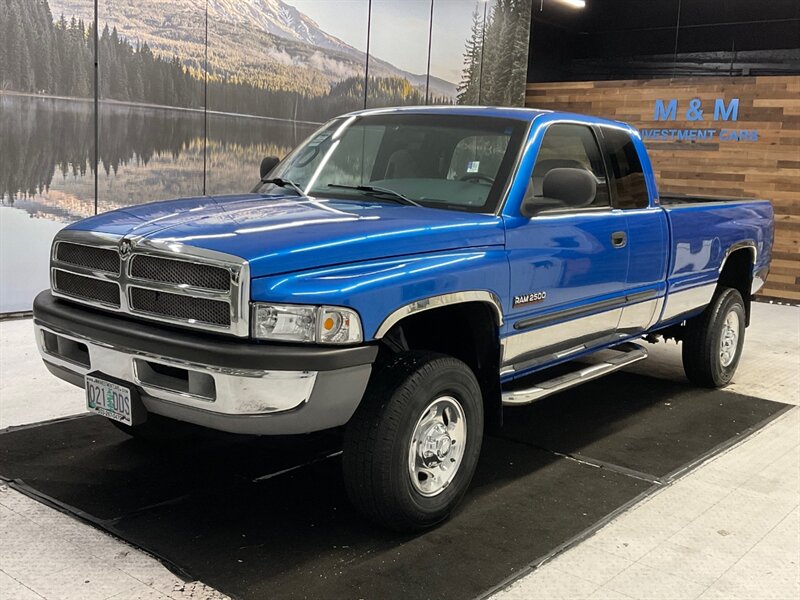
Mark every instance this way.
x=180 y=272
x=213 y=312
x=101 y=259
x=78 y=286
x=171 y=283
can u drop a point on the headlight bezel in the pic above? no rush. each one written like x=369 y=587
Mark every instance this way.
x=312 y=331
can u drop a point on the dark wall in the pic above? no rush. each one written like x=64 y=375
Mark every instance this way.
x=645 y=39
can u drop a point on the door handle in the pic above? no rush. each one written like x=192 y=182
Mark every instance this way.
x=619 y=239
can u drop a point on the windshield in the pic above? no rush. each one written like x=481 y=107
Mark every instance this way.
x=444 y=161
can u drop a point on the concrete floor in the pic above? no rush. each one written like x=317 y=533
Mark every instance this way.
x=730 y=529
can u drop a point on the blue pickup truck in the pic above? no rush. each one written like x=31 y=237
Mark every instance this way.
x=402 y=275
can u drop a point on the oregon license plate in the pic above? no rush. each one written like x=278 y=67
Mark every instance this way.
x=109 y=399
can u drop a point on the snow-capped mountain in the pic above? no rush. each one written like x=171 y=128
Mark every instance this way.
x=283 y=20
x=278 y=18
x=257 y=40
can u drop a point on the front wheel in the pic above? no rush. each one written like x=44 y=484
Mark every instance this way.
x=412 y=446
x=713 y=343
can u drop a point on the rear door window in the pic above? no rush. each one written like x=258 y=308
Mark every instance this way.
x=629 y=187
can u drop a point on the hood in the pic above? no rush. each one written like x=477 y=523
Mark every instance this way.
x=285 y=234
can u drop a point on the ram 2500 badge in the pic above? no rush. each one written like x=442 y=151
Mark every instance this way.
x=403 y=275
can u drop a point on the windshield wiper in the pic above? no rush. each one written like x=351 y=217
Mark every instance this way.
x=396 y=196
x=283 y=183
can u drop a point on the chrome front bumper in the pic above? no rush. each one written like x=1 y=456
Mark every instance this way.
x=217 y=389
x=249 y=401
x=210 y=380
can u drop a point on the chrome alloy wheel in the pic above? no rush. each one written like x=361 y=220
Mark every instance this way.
x=729 y=339
x=437 y=446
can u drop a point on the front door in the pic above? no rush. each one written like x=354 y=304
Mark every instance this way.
x=569 y=262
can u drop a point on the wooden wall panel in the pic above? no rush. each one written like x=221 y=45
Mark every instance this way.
x=768 y=168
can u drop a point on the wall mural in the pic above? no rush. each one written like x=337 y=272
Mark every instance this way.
x=193 y=93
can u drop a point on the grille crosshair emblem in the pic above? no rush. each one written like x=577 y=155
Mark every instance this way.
x=125 y=248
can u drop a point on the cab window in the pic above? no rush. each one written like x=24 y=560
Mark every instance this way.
x=567 y=146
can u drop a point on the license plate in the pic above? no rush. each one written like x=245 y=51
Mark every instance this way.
x=109 y=399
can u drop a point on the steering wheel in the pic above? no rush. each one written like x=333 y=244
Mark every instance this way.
x=476 y=177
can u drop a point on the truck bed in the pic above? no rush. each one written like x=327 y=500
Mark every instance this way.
x=703 y=233
x=678 y=199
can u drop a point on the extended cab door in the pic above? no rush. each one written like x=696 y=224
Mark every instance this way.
x=648 y=235
x=569 y=262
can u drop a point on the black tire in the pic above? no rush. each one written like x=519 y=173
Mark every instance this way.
x=702 y=355
x=378 y=440
x=157 y=430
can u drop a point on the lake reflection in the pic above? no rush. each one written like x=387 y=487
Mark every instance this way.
x=145 y=154
x=24 y=256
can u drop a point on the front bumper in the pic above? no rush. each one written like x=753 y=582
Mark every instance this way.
x=212 y=381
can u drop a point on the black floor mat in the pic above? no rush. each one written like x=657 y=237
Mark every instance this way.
x=213 y=509
x=651 y=426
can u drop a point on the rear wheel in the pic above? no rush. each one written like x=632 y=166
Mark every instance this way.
x=713 y=342
x=412 y=446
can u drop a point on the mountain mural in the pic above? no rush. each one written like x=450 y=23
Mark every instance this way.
x=165 y=127
x=278 y=18
x=266 y=43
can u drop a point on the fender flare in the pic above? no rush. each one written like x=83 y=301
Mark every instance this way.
x=749 y=244
x=438 y=301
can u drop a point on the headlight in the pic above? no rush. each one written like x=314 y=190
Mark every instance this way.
x=299 y=323
x=285 y=322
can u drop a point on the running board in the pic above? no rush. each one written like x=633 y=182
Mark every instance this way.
x=629 y=354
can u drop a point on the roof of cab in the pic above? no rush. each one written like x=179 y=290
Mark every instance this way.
x=505 y=112
x=521 y=114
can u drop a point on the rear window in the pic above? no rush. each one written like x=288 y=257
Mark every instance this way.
x=628 y=184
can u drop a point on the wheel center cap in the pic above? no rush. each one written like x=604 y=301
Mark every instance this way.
x=443 y=447
x=436 y=445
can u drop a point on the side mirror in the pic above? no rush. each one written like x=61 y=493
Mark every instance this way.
x=268 y=164
x=563 y=187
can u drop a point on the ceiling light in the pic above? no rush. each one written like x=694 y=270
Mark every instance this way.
x=574 y=3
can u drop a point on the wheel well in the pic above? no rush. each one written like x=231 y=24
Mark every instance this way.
x=737 y=273
x=467 y=331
